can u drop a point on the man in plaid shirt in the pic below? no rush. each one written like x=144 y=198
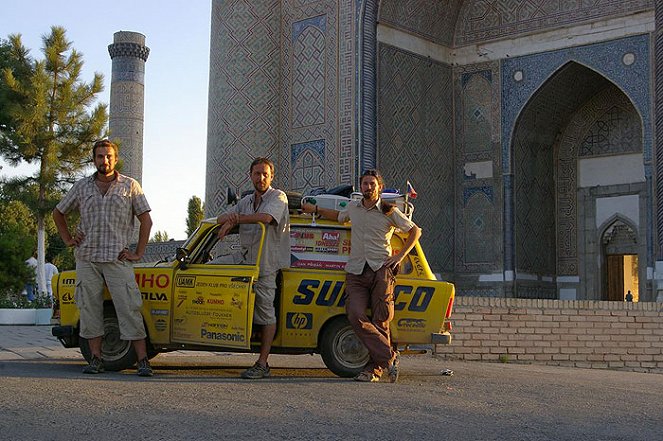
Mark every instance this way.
x=108 y=202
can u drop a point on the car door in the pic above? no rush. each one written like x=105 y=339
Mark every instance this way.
x=213 y=295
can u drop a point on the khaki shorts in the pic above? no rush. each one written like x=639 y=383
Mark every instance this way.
x=265 y=289
x=121 y=282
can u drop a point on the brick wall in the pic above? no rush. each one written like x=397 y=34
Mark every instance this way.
x=589 y=334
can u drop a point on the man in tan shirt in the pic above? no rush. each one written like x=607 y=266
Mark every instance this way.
x=269 y=206
x=108 y=203
x=371 y=270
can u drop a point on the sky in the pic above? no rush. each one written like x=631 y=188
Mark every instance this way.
x=176 y=84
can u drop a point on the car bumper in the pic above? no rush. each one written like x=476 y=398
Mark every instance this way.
x=441 y=338
x=67 y=335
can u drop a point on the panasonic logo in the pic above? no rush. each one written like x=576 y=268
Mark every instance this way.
x=221 y=336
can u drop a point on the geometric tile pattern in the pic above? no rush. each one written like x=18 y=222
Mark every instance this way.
x=571 y=144
x=318 y=56
x=483 y=20
x=414 y=143
x=605 y=58
x=658 y=97
x=536 y=191
x=477 y=105
x=545 y=217
x=366 y=111
x=616 y=131
x=478 y=201
x=433 y=20
x=243 y=115
x=308 y=82
x=308 y=164
x=479 y=235
x=534 y=199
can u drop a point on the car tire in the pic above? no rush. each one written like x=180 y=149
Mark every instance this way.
x=116 y=353
x=343 y=353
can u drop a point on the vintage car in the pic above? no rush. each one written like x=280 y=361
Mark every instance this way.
x=202 y=299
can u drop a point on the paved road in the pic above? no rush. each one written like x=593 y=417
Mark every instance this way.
x=43 y=395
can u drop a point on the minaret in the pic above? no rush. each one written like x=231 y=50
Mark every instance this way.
x=129 y=55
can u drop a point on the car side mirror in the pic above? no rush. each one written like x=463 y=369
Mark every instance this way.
x=182 y=256
x=231 y=196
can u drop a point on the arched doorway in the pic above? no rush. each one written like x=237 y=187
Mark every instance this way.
x=577 y=160
x=619 y=245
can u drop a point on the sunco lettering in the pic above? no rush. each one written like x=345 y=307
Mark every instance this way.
x=332 y=293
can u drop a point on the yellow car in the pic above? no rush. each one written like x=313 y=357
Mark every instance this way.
x=202 y=299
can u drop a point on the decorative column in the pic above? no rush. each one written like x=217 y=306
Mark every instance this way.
x=658 y=149
x=244 y=95
x=127 y=101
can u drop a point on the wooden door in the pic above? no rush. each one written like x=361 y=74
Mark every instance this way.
x=615 y=278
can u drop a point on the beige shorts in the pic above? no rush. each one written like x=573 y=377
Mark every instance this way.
x=121 y=282
x=263 y=312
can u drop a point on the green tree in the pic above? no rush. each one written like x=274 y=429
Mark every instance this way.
x=52 y=122
x=17 y=242
x=18 y=62
x=195 y=214
x=160 y=236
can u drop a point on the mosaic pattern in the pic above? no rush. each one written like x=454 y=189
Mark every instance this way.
x=658 y=103
x=605 y=58
x=243 y=120
x=433 y=20
x=478 y=201
x=619 y=238
x=616 y=131
x=308 y=83
x=536 y=291
x=308 y=165
x=535 y=136
x=478 y=292
x=483 y=20
x=570 y=147
x=534 y=200
x=479 y=213
x=319 y=51
x=415 y=127
x=367 y=16
x=477 y=107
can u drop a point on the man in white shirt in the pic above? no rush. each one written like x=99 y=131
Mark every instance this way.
x=31 y=286
x=49 y=271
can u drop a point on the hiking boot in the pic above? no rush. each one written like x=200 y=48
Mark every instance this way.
x=144 y=368
x=96 y=366
x=256 y=372
x=393 y=368
x=367 y=377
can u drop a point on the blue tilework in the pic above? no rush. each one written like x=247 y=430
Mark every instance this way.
x=319 y=22
x=317 y=146
x=605 y=58
x=471 y=191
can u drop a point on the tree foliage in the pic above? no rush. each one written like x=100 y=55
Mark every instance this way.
x=17 y=242
x=160 y=236
x=51 y=121
x=18 y=62
x=195 y=214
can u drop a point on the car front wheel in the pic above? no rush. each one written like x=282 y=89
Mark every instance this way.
x=343 y=353
x=116 y=353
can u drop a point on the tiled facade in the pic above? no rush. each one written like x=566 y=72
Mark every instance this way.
x=501 y=148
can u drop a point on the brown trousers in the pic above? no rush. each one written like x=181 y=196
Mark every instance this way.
x=375 y=290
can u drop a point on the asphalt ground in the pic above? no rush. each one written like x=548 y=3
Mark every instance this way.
x=199 y=395
x=36 y=343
